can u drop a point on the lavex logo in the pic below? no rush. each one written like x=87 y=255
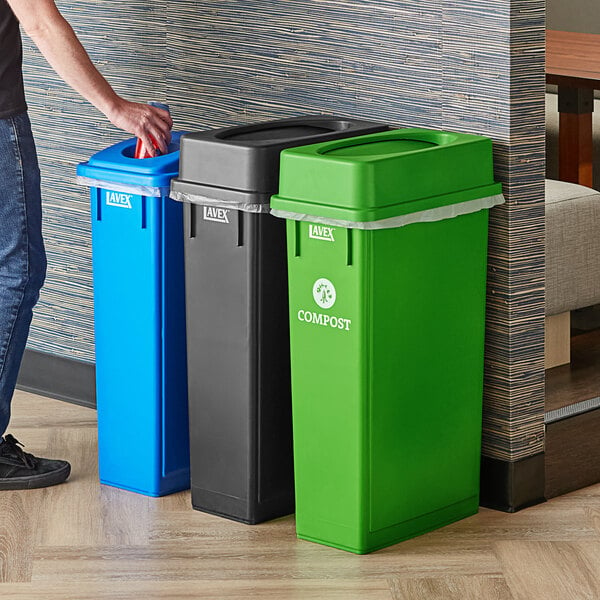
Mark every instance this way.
x=117 y=199
x=320 y=232
x=218 y=215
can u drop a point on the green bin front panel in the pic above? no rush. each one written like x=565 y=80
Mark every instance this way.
x=387 y=341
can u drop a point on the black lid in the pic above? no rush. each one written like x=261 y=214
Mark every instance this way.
x=246 y=158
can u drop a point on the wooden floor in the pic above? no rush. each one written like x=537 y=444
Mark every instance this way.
x=87 y=542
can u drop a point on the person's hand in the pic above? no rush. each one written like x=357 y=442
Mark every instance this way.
x=146 y=122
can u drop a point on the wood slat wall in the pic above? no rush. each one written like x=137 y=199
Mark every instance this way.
x=127 y=41
x=470 y=65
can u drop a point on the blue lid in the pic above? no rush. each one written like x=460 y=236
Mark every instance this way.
x=116 y=164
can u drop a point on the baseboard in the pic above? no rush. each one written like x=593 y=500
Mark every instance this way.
x=510 y=486
x=58 y=377
x=573 y=451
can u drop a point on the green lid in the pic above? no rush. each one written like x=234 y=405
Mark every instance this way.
x=383 y=175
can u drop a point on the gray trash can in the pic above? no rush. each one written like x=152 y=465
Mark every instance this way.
x=237 y=313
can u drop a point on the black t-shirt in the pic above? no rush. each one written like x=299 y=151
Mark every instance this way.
x=12 y=95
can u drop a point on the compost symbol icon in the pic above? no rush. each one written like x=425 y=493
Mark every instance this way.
x=324 y=293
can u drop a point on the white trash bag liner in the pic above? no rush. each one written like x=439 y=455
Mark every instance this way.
x=137 y=190
x=231 y=205
x=425 y=216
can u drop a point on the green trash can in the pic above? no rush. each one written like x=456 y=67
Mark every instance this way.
x=387 y=254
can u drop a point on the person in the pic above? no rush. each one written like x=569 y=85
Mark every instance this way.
x=22 y=254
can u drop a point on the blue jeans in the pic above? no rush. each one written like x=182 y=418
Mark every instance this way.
x=22 y=254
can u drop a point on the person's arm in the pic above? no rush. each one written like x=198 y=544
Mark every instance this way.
x=57 y=41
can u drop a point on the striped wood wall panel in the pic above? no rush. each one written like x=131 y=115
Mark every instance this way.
x=494 y=85
x=127 y=42
x=470 y=65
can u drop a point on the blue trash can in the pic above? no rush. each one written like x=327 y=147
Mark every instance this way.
x=139 y=313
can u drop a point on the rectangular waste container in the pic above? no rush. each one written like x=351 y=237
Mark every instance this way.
x=387 y=248
x=139 y=314
x=237 y=314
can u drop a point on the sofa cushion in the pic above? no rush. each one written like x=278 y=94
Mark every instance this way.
x=572 y=247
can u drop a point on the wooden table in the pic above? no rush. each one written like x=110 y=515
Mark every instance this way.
x=573 y=63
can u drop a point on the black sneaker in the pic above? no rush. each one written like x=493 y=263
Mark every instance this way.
x=22 y=471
